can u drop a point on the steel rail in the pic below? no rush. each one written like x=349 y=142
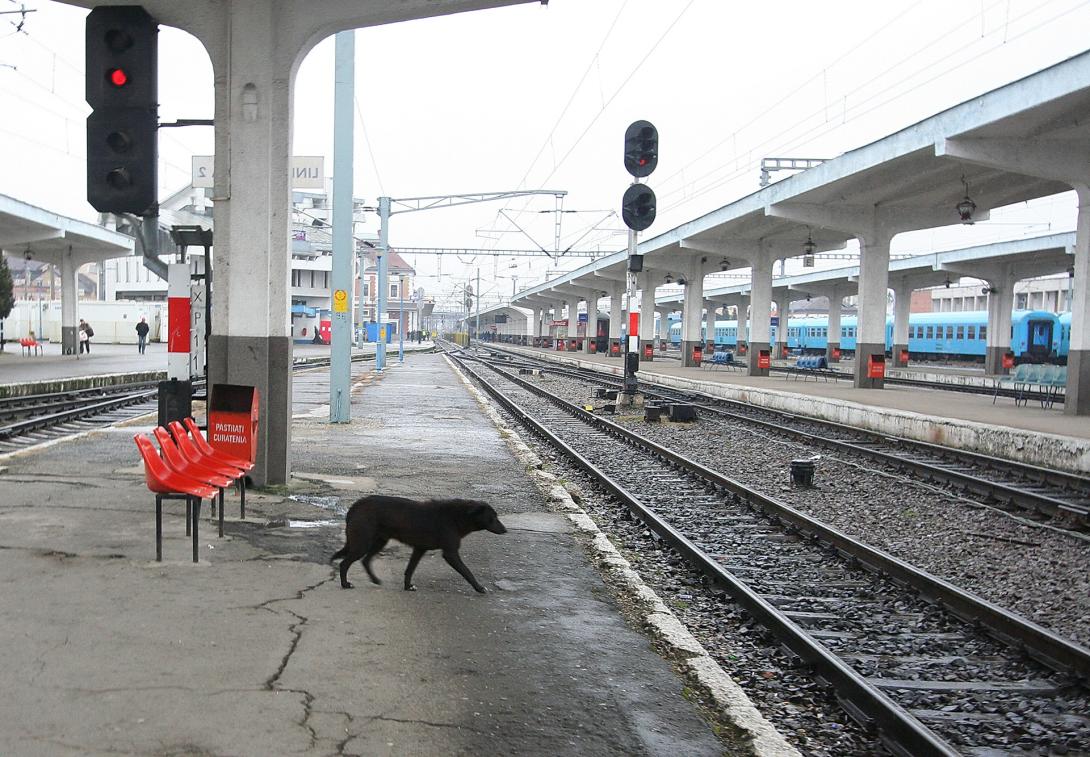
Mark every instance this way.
x=898 y=729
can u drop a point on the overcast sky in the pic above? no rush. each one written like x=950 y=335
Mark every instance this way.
x=532 y=97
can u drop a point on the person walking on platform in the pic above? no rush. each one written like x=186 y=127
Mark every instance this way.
x=142 y=330
x=85 y=334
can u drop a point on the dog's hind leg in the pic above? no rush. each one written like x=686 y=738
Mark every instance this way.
x=349 y=558
x=376 y=546
x=455 y=561
x=413 y=561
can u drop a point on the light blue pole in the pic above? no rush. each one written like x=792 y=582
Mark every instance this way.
x=383 y=282
x=401 y=322
x=340 y=367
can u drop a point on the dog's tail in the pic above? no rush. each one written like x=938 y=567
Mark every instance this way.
x=339 y=553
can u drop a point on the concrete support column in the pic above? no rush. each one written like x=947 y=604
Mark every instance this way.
x=783 y=307
x=1077 y=399
x=832 y=346
x=873 y=284
x=692 y=311
x=591 y=330
x=572 y=330
x=69 y=305
x=743 y=323
x=616 y=318
x=250 y=342
x=760 y=312
x=902 y=305
x=662 y=329
x=1000 y=305
x=647 y=314
x=536 y=325
x=709 y=326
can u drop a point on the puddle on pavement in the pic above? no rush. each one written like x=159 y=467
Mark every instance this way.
x=333 y=504
x=313 y=523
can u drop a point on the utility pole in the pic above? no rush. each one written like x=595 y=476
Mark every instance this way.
x=477 y=329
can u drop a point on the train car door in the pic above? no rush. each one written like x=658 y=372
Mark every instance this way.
x=1040 y=338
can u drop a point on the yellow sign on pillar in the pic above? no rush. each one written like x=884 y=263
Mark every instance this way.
x=340 y=301
x=382 y=334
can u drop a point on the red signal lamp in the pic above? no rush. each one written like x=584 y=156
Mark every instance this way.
x=118 y=77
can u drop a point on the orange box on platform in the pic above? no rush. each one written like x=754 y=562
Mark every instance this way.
x=836 y=353
x=233 y=412
x=876 y=367
x=764 y=359
x=649 y=351
x=698 y=355
x=904 y=357
x=1008 y=360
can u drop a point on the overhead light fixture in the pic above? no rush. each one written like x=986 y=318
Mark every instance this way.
x=947 y=282
x=681 y=281
x=989 y=290
x=724 y=264
x=808 y=248
x=668 y=279
x=966 y=207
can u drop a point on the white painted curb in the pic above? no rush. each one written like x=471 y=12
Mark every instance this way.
x=730 y=700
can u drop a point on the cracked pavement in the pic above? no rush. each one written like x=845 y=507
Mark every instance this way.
x=256 y=650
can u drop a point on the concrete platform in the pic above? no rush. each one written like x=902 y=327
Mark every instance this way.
x=1042 y=436
x=256 y=650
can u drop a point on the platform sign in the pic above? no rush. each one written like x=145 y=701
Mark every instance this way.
x=305 y=172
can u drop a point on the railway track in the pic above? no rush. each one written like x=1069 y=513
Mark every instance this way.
x=1061 y=497
x=33 y=419
x=933 y=669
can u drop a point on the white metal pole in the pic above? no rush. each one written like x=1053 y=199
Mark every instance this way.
x=383 y=282
x=340 y=364
x=401 y=321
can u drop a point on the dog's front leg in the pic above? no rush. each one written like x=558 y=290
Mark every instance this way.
x=417 y=554
x=455 y=561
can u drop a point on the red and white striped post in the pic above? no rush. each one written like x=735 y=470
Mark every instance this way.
x=179 y=321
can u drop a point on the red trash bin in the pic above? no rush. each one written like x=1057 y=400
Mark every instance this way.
x=233 y=413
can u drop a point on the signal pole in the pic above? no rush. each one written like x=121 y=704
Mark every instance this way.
x=641 y=156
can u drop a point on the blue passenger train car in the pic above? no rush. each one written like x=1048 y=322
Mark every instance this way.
x=1062 y=340
x=1036 y=336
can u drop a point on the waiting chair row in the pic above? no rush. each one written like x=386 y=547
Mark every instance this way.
x=1045 y=382
x=189 y=468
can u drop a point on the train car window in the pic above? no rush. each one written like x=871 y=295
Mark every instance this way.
x=949 y=332
x=983 y=332
x=961 y=332
x=930 y=332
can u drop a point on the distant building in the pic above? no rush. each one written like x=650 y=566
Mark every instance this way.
x=311 y=265
x=1050 y=293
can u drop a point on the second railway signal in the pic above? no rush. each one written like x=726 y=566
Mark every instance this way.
x=122 y=90
x=638 y=207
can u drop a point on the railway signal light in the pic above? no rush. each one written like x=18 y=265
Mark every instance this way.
x=122 y=90
x=641 y=148
x=638 y=207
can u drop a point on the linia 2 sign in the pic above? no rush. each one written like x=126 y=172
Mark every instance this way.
x=305 y=172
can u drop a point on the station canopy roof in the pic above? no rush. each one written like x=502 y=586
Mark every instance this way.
x=1004 y=143
x=45 y=236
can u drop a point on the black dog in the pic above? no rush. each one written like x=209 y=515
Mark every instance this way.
x=435 y=524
